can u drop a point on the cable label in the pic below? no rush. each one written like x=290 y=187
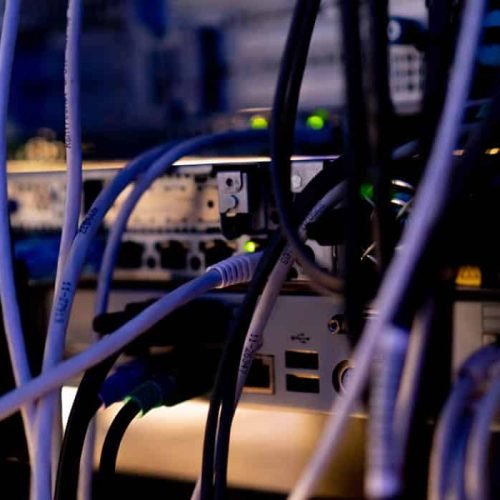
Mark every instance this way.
x=87 y=222
x=63 y=301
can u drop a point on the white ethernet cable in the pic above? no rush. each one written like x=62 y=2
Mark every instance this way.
x=72 y=209
x=428 y=205
x=236 y=269
x=73 y=200
x=8 y=295
x=72 y=140
x=48 y=437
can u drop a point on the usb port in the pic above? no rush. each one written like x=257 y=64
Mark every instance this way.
x=302 y=383
x=307 y=360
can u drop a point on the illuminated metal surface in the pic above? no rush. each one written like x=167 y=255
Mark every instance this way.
x=269 y=447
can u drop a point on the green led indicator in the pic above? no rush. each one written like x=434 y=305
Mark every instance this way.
x=315 y=122
x=367 y=191
x=250 y=246
x=258 y=122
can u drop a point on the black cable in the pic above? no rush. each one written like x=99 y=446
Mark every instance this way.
x=111 y=445
x=222 y=399
x=380 y=119
x=282 y=127
x=232 y=347
x=438 y=58
x=356 y=160
x=84 y=408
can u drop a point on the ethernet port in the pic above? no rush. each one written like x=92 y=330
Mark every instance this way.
x=130 y=255
x=173 y=254
x=260 y=379
x=216 y=250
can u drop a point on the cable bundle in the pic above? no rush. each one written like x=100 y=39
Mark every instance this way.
x=390 y=347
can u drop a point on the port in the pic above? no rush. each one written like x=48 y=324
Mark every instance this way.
x=91 y=189
x=302 y=383
x=130 y=255
x=216 y=250
x=260 y=378
x=173 y=254
x=307 y=360
x=195 y=263
x=13 y=206
x=341 y=375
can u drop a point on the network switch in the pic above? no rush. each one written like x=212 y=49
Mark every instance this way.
x=184 y=223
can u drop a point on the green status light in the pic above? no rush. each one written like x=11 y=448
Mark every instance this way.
x=250 y=246
x=258 y=122
x=316 y=122
x=367 y=191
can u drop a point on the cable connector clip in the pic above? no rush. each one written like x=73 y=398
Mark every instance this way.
x=236 y=269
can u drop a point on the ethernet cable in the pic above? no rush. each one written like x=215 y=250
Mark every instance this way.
x=8 y=294
x=72 y=141
x=429 y=204
x=45 y=463
x=237 y=269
